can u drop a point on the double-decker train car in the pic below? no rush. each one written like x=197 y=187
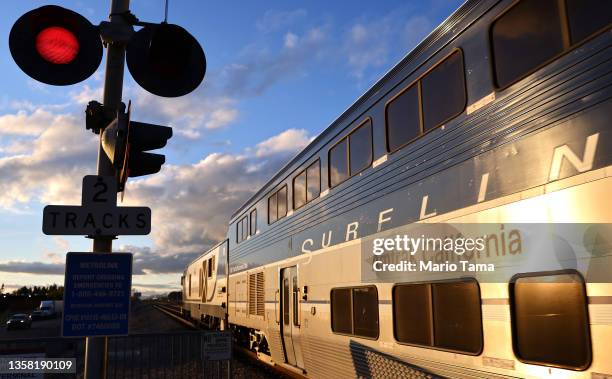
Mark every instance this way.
x=500 y=116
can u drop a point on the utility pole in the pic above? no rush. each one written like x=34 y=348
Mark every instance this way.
x=96 y=348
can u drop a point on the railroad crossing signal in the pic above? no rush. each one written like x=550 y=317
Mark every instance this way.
x=166 y=60
x=126 y=143
x=55 y=45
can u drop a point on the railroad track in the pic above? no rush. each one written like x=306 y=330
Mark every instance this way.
x=174 y=311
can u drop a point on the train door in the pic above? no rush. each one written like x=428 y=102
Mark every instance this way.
x=290 y=316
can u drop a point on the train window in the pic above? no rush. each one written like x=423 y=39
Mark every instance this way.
x=253 y=217
x=296 y=299
x=189 y=284
x=341 y=314
x=338 y=163
x=277 y=205
x=360 y=148
x=412 y=314
x=281 y=201
x=524 y=37
x=457 y=316
x=286 y=301
x=307 y=185
x=443 y=92
x=402 y=119
x=351 y=155
x=313 y=181
x=299 y=190
x=354 y=311
x=365 y=312
x=550 y=321
x=444 y=315
x=587 y=17
x=272 y=209
x=242 y=229
x=209 y=270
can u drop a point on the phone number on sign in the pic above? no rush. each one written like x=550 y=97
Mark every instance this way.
x=37 y=365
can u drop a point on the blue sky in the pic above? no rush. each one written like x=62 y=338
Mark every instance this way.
x=278 y=73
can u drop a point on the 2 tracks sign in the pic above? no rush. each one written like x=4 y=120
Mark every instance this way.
x=98 y=216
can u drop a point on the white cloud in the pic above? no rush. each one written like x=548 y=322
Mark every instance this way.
x=49 y=167
x=24 y=123
x=190 y=114
x=86 y=94
x=260 y=67
x=291 y=140
x=221 y=117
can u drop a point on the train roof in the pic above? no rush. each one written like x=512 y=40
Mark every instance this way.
x=413 y=55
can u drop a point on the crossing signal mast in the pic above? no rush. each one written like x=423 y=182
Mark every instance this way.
x=57 y=46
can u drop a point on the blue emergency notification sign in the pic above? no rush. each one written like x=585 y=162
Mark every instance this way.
x=97 y=289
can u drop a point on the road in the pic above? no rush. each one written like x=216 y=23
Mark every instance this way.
x=39 y=329
x=143 y=319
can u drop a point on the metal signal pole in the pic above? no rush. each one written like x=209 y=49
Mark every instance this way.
x=96 y=348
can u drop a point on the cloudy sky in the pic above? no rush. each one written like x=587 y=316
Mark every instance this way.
x=279 y=72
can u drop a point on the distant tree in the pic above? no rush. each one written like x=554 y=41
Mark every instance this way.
x=52 y=292
x=23 y=291
x=2 y=289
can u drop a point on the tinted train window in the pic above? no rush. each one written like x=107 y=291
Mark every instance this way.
x=360 y=148
x=313 y=181
x=209 y=273
x=402 y=118
x=445 y=315
x=286 y=301
x=412 y=314
x=524 y=37
x=443 y=92
x=338 y=163
x=587 y=17
x=281 y=201
x=253 y=217
x=242 y=229
x=550 y=320
x=272 y=209
x=307 y=185
x=355 y=311
x=365 y=312
x=341 y=310
x=277 y=205
x=351 y=155
x=299 y=190
x=457 y=316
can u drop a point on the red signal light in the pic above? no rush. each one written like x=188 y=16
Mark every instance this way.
x=57 y=45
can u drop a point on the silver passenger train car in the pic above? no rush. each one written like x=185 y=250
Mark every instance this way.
x=500 y=115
